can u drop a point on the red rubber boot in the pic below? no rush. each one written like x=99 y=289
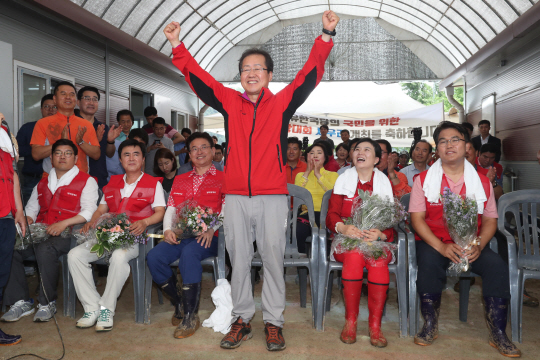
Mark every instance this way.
x=352 y=290
x=376 y=301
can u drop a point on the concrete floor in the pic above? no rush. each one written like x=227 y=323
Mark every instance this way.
x=457 y=340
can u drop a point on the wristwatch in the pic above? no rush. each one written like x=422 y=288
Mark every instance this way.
x=82 y=142
x=495 y=184
x=328 y=32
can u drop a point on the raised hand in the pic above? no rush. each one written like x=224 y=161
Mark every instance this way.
x=491 y=174
x=330 y=20
x=80 y=134
x=392 y=161
x=172 y=32
x=114 y=132
x=100 y=131
x=65 y=132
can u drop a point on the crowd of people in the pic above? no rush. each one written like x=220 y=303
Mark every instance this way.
x=146 y=173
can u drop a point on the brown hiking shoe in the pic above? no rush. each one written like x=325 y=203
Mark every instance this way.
x=274 y=338
x=239 y=332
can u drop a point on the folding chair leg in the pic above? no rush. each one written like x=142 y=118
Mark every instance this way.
x=302 y=275
x=329 y=290
x=464 y=288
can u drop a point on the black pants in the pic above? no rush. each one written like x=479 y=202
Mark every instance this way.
x=7 y=241
x=47 y=254
x=489 y=266
x=17 y=286
x=303 y=231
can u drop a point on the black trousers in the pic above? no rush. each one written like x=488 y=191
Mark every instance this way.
x=7 y=241
x=303 y=231
x=489 y=266
x=17 y=286
x=47 y=254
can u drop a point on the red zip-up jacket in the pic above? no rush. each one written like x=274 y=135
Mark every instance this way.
x=256 y=134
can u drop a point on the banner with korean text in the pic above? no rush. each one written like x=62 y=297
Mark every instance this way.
x=396 y=129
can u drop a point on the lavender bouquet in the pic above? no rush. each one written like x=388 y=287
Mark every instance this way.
x=111 y=233
x=460 y=216
x=191 y=219
x=371 y=212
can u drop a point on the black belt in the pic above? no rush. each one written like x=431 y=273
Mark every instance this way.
x=37 y=176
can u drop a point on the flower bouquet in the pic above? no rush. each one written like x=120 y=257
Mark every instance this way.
x=111 y=232
x=460 y=216
x=370 y=212
x=35 y=234
x=191 y=220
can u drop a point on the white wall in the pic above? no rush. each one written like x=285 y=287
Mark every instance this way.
x=6 y=78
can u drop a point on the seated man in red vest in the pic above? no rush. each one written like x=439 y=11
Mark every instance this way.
x=486 y=165
x=65 y=198
x=203 y=184
x=435 y=248
x=141 y=197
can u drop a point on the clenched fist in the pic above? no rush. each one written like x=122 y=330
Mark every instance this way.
x=330 y=20
x=172 y=32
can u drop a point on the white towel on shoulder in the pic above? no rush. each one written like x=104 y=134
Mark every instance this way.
x=347 y=183
x=473 y=184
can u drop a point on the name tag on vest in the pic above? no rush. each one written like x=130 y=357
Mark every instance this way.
x=71 y=194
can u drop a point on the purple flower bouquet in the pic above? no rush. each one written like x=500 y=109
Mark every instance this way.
x=460 y=215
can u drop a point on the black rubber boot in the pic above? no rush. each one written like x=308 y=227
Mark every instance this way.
x=496 y=316
x=191 y=294
x=170 y=289
x=430 y=306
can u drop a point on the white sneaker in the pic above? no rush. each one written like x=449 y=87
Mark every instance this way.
x=45 y=312
x=18 y=310
x=105 y=320
x=88 y=320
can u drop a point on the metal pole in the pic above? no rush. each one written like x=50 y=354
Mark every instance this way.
x=107 y=90
x=450 y=95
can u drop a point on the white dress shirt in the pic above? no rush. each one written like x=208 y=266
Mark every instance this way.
x=89 y=195
x=159 y=197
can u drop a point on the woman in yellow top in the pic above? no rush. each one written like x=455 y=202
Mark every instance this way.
x=318 y=181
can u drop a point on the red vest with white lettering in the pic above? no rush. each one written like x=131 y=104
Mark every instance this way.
x=208 y=194
x=6 y=185
x=64 y=204
x=434 y=212
x=139 y=205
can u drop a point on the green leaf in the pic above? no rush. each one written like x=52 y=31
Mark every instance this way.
x=95 y=248
x=100 y=252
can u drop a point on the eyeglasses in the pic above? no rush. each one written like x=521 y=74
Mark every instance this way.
x=257 y=70
x=202 y=148
x=453 y=141
x=90 y=98
x=49 y=107
x=67 y=153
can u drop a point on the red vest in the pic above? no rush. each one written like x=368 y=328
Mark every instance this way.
x=434 y=212
x=208 y=195
x=498 y=168
x=6 y=186
x=139 y=205
x=64 y=204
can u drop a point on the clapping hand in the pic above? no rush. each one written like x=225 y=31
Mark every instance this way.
x=114 y=132
x=80 y=134
x=65 y=132
x=392 y=161
x=100 y=131
x=491 y=174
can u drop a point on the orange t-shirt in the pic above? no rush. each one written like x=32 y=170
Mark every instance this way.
x=49 y=129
